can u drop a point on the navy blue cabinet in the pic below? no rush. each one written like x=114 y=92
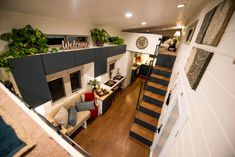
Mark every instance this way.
x=100 y=61
x=31 y=81
x=116 y=50
x=84 y=56
x=145 y=70
x=165 y=60
x=55 y=62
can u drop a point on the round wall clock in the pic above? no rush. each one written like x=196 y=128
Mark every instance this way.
x=141 y=42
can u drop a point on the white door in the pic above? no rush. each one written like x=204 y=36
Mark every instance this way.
x=172 y=123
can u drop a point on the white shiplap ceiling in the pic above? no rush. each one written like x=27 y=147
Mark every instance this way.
x=109 y=12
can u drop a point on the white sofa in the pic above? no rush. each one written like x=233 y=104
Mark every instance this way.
x=82 y=116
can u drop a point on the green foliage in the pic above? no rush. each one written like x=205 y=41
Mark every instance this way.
x=23 y=42
x=99 y=35
x=117 y=41
x=93 y=83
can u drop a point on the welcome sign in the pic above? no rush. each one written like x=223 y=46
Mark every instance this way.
x=74 y=45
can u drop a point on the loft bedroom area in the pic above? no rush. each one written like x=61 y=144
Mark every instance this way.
x=107 y=78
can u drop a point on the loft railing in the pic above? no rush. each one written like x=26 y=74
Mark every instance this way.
x=57 y=130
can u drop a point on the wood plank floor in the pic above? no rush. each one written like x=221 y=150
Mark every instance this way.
x=108 y=135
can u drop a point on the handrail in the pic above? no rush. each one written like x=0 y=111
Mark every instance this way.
x=148 y=74
x=141 y=86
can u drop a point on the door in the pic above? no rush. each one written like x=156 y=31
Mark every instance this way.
x=173 y=122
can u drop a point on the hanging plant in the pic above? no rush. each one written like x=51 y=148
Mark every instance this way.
x=23 y=42
x=116 y=40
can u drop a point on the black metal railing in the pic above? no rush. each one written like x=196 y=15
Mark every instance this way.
x=144 y=82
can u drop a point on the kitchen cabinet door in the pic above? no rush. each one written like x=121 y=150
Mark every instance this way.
x=84 y=56
x=100 y=61
x=116 y=50
x=60 y=61
x=30 y=78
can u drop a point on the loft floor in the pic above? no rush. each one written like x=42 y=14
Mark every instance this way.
x=108 y=135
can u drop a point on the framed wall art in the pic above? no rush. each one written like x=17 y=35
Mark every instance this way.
x=215 y=22
x=190 y=32
x=196 y=66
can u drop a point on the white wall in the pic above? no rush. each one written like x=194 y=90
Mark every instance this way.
x=11 y=20
x=130 y=39
x=210 y=130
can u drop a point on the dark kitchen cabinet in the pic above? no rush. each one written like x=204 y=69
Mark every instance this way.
x=135 y=73
x=107 y=103
x=84 y=56
x=55 y=62
x=100 y=61
x=145 y=70
x=29 y=75
x=116 y=50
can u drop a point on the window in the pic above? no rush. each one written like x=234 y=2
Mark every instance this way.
x=56 y=88
x=75 y=79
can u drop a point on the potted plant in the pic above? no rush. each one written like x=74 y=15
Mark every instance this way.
x=99 y=36
x=22 y=42
x=93 y=83
x=116 y=40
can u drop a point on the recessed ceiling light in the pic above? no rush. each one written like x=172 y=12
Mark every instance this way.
x=128 y=15
x=180 y=5
x=143 y=23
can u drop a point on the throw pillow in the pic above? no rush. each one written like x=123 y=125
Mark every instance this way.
x=84 y=106
x=72 y=116
x=61 y=117
x=89 y=96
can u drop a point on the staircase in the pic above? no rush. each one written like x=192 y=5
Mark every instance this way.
x=149 y=110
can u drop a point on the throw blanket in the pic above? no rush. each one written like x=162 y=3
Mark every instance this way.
x=14 y=141
x=10 y=143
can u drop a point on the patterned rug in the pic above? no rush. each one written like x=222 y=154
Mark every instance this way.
x=14 y=140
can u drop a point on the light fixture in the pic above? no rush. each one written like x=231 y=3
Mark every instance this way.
x=147 y=30
x=177 y=34
x=180 y=5
x=128 y=15
x=143 y=23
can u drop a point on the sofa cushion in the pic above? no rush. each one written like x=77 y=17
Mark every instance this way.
x=61 y=117
x=84 y=106
x=72 y=116
x=82 y=116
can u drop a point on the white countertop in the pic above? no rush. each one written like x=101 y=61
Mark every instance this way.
x=110 y=88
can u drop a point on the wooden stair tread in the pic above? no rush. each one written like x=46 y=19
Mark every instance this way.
x=160 y=77
x=155 y=96
x=151 y=107
x=163 y=68
x=146 y=133
x=155 y=85
x=146 y=118
x=166 y=52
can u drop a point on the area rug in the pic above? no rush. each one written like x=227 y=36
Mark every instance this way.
x=14 y=140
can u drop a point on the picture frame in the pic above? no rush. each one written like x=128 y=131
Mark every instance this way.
x=190 y=32
x=196 y=66
x=215 y=23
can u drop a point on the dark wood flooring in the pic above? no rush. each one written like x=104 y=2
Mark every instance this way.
x=108 y=135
